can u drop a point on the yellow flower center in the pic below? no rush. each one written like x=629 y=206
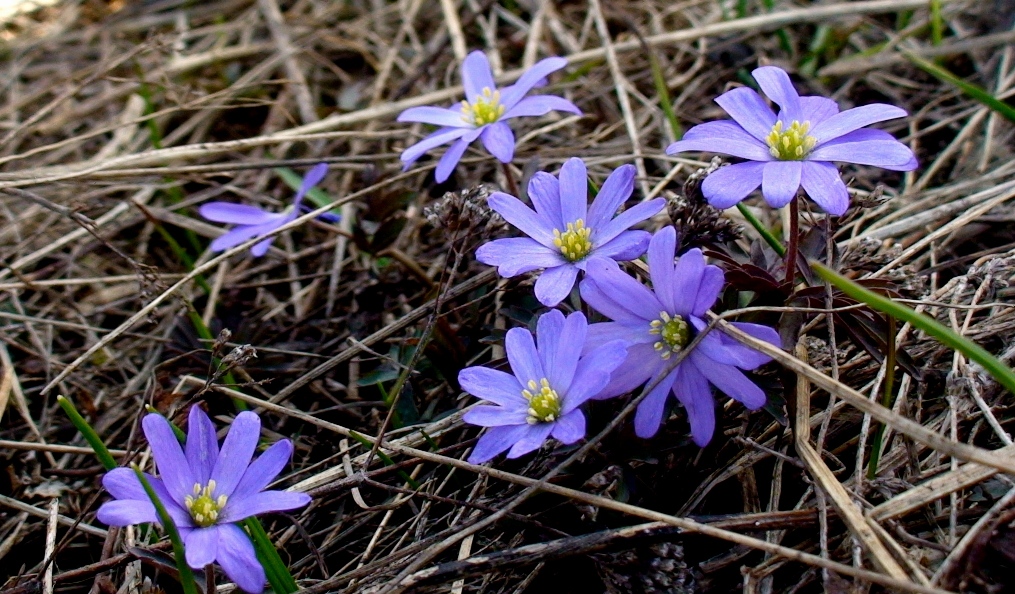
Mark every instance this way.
x=203 y=506
x=486 y=109
x=544 y=403
x=791 y=144
x=674 y=334
x=574 y=243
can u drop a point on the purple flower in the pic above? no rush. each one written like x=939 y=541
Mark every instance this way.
x=549 y=383
x=660 y=322
x=253 y=222
x=483 y=112
x=206 y=490
x=795 y=148
x=564 y=231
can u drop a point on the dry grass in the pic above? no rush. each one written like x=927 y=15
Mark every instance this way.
x=118 y=119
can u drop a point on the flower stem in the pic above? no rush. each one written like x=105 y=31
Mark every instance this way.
x=766 y=234
x=794 y=236
x=93 y=439
x=186 y=575
x=511 y=181
x=886 y=398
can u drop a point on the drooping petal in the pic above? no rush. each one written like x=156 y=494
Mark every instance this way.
x=515 y=255
x=749 y=358
x=728 y=185
x=492 y=385
x=438 y=116
x=522 y=217
x=169 y=457
x=817 y=109
x=854 y=119
x=496 y=440
x=867 y=147
x=523 y=357
x=569 y=428
x=626 y=246
x=691 y=389
x=125 y=512
x=615 y=191
x=780 y=182
x=554 y=284
x=476 y=75
x=574 y=191
x=626 y=219
x=686 y=279
x=237 y=450
x=202 y=445
x=450 y=158
x=531 y=439
x=775 y=83
x=730 y=380
x=642 y=363
x=661 y=251
x=616 y=295
x=649 y=415
x=593 y=373
x=122 y=483
x=202 y=546
x=237 y=557
x=264 y=470
x=604 y=332
x=822 y=183
x=238 y=235
x=500 y=141
x=723 y=137
x=239 y=508
x=748 y=109
x=495 y=416
x=261 y=248
x=511 y=96
x=544 y=192
x=538 y=105
x=712 y=281
x=435 y=139
x=237 y=214
x=564 y=360
x=727 y=351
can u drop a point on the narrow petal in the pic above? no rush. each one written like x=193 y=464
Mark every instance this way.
x=642 y=362
x=626 y=246
x=500 y=141
x=661 y=252
x=574 y=191
x=496 y=440
x=775 y=83
x=432 y=140
x=237 y=214
x=450 y=159
x=867 y=147
x=496 y=416
x=238 y=235
x=239 y=508
x=854 y=119
x=122 y=483
x=531 y=439
x=169 y=457
x=780 y=182
x=438 y=116
x=691 y=389
x=237 y=557
x=538 y=105
x=617 y=295
x=728 y=185
x=202 y=546
x=125 y=512
x=476 y=75
x=237 y=450
x=817 y=109
x=514 y=255
x=730 y=380
x=202 y=445
x=511 y=96
x=686 y=280
x=744 y=357
x=560 y=342
x=604 y=332
x=649 y=415
x=544 y=192
x=723 y=137
x=627 y=219
x=593 y=373
x=492 y=385
x=261 y=248
x=264 y=470
x=524 y=218
x=727 y=351
x=748 y=109
x=822 y=183
x=615 y=191
x=311 y=179
x=712 y=281
x=523 y=357
x=569 y=428
x=554 y=284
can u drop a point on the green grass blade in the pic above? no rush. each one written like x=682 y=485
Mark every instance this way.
x=315 y=195
x=282 y=582
x=968 y=88
x=768 y=236
x=93 y=439
x=186 y=575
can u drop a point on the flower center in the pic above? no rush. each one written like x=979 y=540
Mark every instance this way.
x=202 y=505
x=791 y=144
x=486 y=109
x=574 y=244
x=544 y=403
x=674 y=334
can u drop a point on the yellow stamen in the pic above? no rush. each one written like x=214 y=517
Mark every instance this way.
x=203 y=506
x=791 y=144
x=486 y=109
x=544 y=403
x=674 y=334
x=574 y=243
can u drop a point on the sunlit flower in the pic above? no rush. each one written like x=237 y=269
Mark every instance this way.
x=795 y=148
x=205 y=491
x=659 y=323
x=540 y=398
x=253 y=222
x=564 y=231
x=483 y=113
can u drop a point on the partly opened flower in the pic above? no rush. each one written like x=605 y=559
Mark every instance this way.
x=206 y=491
x=660 y=322
x=482 y=113
x=564 y=231
x=541 y=398
x=253 y=222
x=795 y=148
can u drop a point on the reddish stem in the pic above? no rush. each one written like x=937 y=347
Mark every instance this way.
x=512 y=184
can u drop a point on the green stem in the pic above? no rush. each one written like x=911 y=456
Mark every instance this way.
x=186 y=575
x=886 y=398
x=93 y=439
x=766 y=234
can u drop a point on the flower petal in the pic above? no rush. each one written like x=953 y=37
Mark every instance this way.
x=492 y=385
x=512 y=95
x=593 y=373
x=496 y=440
x=524 y=218
x=124 y=512
x=169 y=457
x=544 y=192
x=616 y=295
x=476 y=75
x=817 y=109
x=626 y=219
x=642 y=362
x=237 y=214
x=775 y=83
x=748 y=109
x=432 y=140
x=523 y=357
x=822 y=183
x=202 y=447
x=730 y=380
x=554 y=284
x=626 y=246
x=867 y=147
x=686 y=280
x=450 y=158
x=854 y=119
x=202 y=546
x=661 y=252
x=574 y=191
x=514 y=255
x=311 y=179
x=563 y=358
x=538 y=105
x=237 y=557
x=723 y=137
x=496 y=416
x=238 y=235
x=122 y=483
x=780 y=182
x=649 y=415
x=712 y=281
x=239 y=508
x=237 y=450
x=727 y=351
x=264 y=470
x=692 y=390
x=615 y=191
x=531 y=439
x=500 y=141
x=261 y=248
x=569 y=428
x=728 y=185
x=438 y=116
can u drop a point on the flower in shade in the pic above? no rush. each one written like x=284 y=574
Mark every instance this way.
x=253 y=222
x=206 y=490
x=564 y=231
x=794 y=148
x=660 y=322
x=483 y=113
x=540 y=398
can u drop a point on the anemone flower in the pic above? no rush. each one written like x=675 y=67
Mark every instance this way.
x=795 y=148
x=483 y=113
x=206 y=491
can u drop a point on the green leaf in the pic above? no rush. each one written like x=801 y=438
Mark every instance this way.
x=186 y=575
x=281 y=580
x=968 y=88
x=93 y=439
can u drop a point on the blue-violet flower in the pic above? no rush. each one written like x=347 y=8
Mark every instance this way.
x=564 y=231
x=206 y=490
x=253 y=222
x=795 y=148
x=660 y=322
x=483 y=113
x=549 y=382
